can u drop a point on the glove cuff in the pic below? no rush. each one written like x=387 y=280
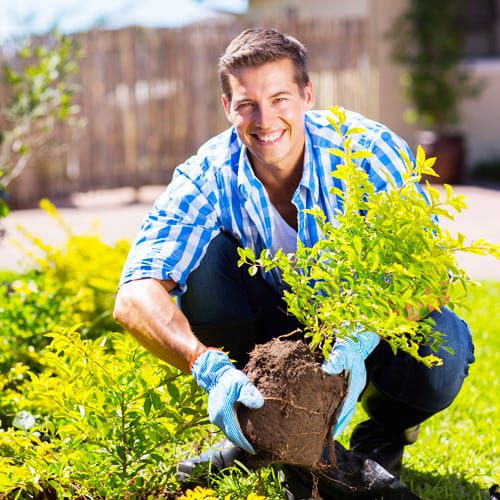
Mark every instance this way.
x=208 y=367
x=366 y=343
x=361 y=342
x=203 y=349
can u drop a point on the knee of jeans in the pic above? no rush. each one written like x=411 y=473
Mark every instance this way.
x=439 y=386
x=457 y=337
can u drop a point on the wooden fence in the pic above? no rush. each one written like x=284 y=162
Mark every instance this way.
x=151 y=97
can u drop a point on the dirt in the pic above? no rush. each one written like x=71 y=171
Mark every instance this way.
x=297 y=418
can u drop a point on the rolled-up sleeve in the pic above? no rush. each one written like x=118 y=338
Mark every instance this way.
x=175 y=234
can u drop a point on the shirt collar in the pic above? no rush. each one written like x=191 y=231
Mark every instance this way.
x=247 y=179
x=309 y=178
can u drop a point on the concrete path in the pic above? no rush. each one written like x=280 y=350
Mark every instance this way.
x=120 y=212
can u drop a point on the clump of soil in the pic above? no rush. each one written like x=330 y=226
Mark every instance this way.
x=297 y=418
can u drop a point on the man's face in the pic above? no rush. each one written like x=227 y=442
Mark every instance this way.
x=267 y=109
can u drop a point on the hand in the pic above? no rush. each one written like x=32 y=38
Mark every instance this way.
x=350 y=354
x=226 y=386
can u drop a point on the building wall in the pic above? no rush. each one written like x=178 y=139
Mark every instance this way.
x=381 y=14
x=481 y=116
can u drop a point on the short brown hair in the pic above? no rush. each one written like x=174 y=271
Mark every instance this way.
x=257 y=46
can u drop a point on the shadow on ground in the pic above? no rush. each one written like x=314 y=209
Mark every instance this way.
x=431 y=486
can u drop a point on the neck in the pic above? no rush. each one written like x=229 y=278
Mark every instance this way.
x=280 y=183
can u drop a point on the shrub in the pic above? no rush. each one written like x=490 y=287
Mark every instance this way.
x=74 y=283
x=116 y=420
x=382 y=264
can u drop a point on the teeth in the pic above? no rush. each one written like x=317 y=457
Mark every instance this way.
x=269 y=137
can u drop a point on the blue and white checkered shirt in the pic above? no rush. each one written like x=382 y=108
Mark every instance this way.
x=217 y=190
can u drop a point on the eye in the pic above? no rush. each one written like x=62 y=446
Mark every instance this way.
x=244 y=106
x=279 y=100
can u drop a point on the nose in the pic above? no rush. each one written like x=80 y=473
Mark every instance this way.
x=264 y=116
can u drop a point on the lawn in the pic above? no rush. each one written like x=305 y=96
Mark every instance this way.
x=457 y=455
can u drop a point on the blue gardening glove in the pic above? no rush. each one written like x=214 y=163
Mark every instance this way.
x=349 y=354
x=226 y=386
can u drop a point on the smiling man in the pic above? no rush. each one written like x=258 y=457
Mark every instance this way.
x=250 y=187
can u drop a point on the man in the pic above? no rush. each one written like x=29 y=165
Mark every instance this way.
x=249 y=187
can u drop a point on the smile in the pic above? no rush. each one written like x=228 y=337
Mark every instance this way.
x=269 y=138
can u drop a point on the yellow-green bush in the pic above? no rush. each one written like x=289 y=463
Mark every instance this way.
x=72 y=283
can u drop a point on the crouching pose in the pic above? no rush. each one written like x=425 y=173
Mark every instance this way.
x=249 y=187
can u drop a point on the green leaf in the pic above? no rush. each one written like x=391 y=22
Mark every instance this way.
x=355 y=130
x=173 y=390
x=147 y=405
x=337 y=152
x=156 y=399
x=252 y=270
x=433 y=192
x=420 y=155
x=360 y=154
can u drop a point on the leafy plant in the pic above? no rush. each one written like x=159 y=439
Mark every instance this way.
x=200 y=493
x=116 y=420
x=72 y=283
x=238 y=482
x=41 y=96
x=428 y=40
x=384 y=261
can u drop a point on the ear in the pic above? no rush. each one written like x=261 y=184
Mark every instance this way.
x=227 y=107
x=308 y=95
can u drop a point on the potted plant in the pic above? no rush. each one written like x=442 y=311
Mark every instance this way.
x=428 y=39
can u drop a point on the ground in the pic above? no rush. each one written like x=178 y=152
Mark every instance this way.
x=121 y=211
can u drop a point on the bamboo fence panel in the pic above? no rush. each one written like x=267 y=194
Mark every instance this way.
x=151 y=97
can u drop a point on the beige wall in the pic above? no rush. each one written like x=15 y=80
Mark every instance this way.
x=381 y=15
x=481 y=115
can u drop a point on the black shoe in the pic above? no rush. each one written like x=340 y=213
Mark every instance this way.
x=382 y=446
x=222 y=455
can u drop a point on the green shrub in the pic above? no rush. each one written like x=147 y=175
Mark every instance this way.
x=74 y=283
x=382 y=264
x=117 y=420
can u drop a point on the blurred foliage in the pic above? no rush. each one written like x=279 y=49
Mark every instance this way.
x=42 y=95
x=488 y=170
x=75 y=283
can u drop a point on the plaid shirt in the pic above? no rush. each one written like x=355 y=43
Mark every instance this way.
x=217 y=190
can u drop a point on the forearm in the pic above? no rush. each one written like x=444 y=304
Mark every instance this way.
x=147 y=311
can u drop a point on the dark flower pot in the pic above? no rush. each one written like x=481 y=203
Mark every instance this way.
x=449 y=149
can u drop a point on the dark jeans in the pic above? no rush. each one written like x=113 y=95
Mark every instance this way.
x=228 y=308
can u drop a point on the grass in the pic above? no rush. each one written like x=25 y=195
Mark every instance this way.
x=457 y=454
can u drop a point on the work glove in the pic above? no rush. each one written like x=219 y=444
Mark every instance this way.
x=226 y=386
x=350 y=354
